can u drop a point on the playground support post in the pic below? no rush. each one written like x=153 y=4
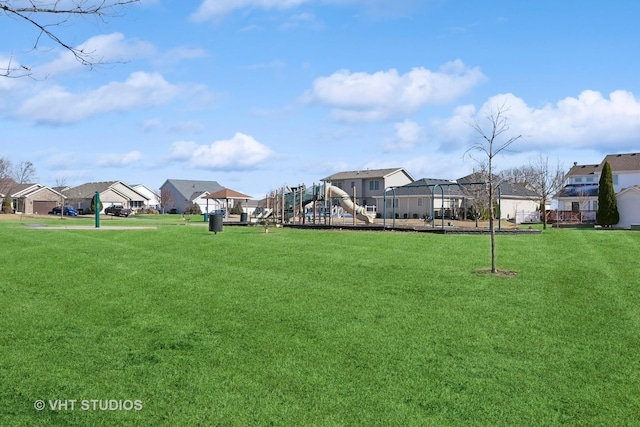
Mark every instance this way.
x=97 y=209
x=354 y=204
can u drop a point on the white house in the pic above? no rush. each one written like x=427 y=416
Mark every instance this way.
x=153 y=198
x=178 y=195
x=579 y=196
x=628 y=206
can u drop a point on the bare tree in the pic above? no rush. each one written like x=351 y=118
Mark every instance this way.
x=539 y=176
x=24 y=172
x=521 y=175
x=490 y=145
x=61 y=183
x=547 y=180
x=166 y=199
x=45 y=16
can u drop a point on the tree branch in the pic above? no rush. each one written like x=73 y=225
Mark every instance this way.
x=32 y=16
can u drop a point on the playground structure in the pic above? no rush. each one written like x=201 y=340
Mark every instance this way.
x=318 y=204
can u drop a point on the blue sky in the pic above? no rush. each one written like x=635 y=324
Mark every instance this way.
x=257 y=94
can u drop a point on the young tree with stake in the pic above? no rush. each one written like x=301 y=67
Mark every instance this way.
x=490 y=145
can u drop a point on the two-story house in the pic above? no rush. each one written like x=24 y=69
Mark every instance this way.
x=369 y=184
x=579 y=197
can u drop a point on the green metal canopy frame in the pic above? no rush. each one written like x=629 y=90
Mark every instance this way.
x=433 y=189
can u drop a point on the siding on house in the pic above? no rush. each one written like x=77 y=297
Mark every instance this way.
x=582 y=181
x=370 y=184
x=180 y=194
x=35 y=198
x=628 y=206
x=111 y=193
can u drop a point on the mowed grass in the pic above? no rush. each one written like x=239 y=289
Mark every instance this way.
x=323 y=328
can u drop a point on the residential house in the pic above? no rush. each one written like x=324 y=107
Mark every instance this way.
x=179 y=195
x=628 y=206
x=454 y=199
x=369 y=184
x=578 y=199
x=33 y=198
x=111 y=193
x=153 y=198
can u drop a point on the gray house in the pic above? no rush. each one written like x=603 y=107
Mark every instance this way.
x=177 y=195
x=455 y=198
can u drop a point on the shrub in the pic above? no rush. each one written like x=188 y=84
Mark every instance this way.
x=194 y=209
x=236 y=209
x=415 y=216
x=93 y=204
x=607 y=214
x=6 y=205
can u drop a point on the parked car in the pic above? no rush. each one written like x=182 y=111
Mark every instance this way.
x=117 y=210
x=68 y=210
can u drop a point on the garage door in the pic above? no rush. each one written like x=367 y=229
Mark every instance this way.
x=43 y=207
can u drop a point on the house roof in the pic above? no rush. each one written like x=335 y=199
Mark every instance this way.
x=88 y=190
x=227 y=193
x=424 y=187
x=618 y=162
x=365 y=174
x=25 y=190
x=578 y=170
x=632 y=189
x=188 y=187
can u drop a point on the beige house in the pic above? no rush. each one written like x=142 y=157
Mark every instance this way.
x=34 y=198
x=369 y=184
x=111 y=193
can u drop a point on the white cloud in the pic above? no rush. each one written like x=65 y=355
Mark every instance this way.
x=364 y=96
x=105 y=48
x=408 y=134
x=238 y=153
x=119 y=160
x=587 y=121
x=57 y=105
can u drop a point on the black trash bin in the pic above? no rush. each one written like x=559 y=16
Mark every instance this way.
x=215 y=222
x=243 y=217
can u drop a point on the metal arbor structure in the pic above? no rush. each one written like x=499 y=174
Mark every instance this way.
x=433 y=190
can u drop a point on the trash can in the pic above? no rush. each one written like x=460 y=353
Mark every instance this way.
x=205 y=216
x=243 y=217
x=215 y=222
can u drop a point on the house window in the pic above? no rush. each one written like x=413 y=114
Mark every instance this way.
x=419 y=201
x=589 y=179
x=575 y=206
x=594 y=205
x=577 y=180
x=615 y=179
x=374 y=185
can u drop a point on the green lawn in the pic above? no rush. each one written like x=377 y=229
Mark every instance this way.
x=297 y=328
